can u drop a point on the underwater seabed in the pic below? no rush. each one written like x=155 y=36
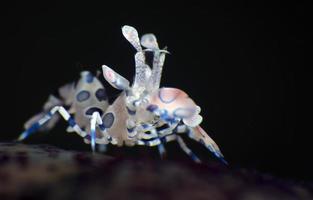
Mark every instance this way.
x=47 y=172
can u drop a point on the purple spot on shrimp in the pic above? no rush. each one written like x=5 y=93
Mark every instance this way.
x=130 y=130
x=91 y=110
x=101 y=94
x=152 y=108
x=82 y=96
x=89 y=78
x=167 y=97
x=131 y=112
x=108 y=120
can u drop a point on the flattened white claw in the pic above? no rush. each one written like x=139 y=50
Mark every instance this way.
x=117 y=81
x=131 y=34
x=149 y=41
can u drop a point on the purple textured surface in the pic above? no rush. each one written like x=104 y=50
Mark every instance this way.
x=46 y=172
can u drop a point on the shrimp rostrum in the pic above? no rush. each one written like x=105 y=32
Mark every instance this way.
x=143 y=113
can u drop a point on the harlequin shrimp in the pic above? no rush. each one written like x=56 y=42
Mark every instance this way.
x=143 y=113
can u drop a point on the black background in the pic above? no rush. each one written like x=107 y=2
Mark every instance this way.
x=237 y=61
